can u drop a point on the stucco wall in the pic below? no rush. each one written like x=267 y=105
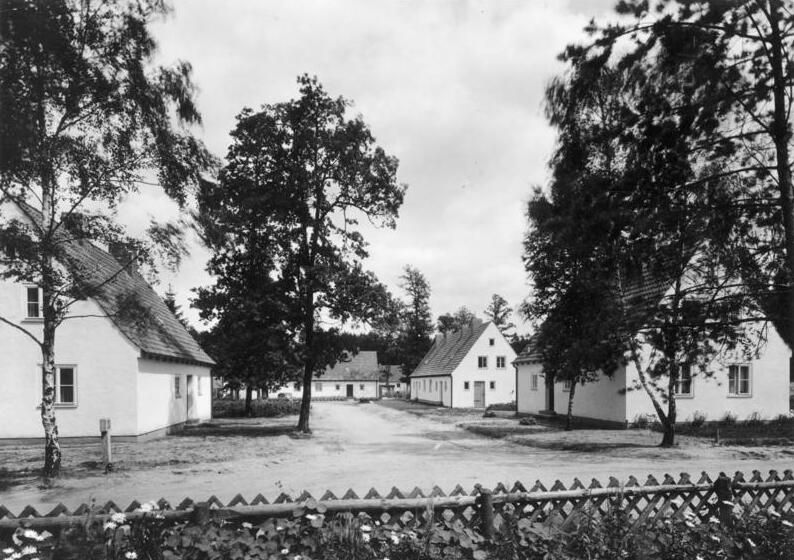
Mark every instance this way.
x=769 y=387
x=530 y=401
x=338 y=388
x=436 y=389
x=105 y=372
x=158 y=405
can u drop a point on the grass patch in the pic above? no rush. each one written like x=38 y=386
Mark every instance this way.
x=267 y=408
x=750 y=431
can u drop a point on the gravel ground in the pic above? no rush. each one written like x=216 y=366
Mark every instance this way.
x=358 y=446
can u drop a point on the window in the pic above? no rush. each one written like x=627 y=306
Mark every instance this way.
x=35 y=299
x=491 y=342
x=361 y=387
x=683 y=386
x=338 y=387
x=566 y=385
x=533 y=382
x=482 y=362
x=318 y=387
x=65 y=385
x=424 y=384
x=492 y=385
x=296 y=386
x=501 y=361
x=465 y=385
x=177 y=387
x=739 y=380
x=199 y=392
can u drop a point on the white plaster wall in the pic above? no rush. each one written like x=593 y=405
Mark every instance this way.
x=769 y=387
x=334 y=388
x=529 y=401
x=604 y=399
x=105 y=365
x=436 y=389
x=158 y=406
x=505 y=378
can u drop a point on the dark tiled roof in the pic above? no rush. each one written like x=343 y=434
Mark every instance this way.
x=448 y=351
x=395 y=372
x=359 y=367
x=530 y=354
x=158 y=334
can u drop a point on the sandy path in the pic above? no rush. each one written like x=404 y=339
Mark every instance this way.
x=370 y=446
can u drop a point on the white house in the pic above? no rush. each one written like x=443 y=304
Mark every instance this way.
x=469 y=368
x=731 y=384
x=355 y=376
x=148 y=376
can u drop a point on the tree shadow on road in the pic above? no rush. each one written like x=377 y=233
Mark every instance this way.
x=239 y=428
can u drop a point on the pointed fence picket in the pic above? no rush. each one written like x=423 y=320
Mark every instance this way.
x=480 y=509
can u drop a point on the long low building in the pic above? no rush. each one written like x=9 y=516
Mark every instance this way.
x=355 y=376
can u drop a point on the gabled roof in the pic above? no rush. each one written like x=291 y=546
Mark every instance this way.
x=447 y=352
x=531 y=353
x=157 y=332
x=359 y=367
x=159 y=335
x=393 y=372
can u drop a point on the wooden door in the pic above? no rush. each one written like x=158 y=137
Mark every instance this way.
x=349 y=389
x=479 y=394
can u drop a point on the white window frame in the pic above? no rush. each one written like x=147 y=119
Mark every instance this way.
x=736 y=393
x=566 y=385
x=177 y=387
x=679 y=383
x=533 y=382
x=482 y=362
x=58 y=402
x=502 y=360
x=40 y=303
x=318 y=386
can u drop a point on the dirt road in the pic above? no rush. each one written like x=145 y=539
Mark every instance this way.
x=357 y=446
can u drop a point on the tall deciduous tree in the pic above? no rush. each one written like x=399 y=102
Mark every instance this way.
x=299 y=176
x=499 y=312
x=84 y=116
x=417 y=328
x=449 y=322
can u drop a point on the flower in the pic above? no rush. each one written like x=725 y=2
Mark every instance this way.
x=311 y=516
x=44 y=535
x=8 y=551
x=787 y=523
x=28 y=550
x=285 y=551
x=715 y=538
x=145 y=508
x=118 y=518
x=365 y=537
x=366 y=528
x=395 y=539
x=109 y=526
x=751 y=543
x=247 y=525
x=30 y=534
x=131 y=555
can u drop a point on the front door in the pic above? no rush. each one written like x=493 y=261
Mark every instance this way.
x=349 y=389
x=550 y=392
x=479 y=394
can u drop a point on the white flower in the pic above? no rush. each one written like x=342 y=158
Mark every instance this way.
x=15 y=556
x=395 y=539
x=311 y=516
x=28 y=550
x=787 y=523
x=715 y=538
x=259 y=533
x=751 y=543
x=365 y=537
x=8 y=551
x=366 y=528
x=118 y=518
x=377 y=524
x=109 y=525
x=713 y=519
x=44 y=535
x=30 y=534
x=130 y=555
x=247 y=525
x=146 y=508
x=285 y=551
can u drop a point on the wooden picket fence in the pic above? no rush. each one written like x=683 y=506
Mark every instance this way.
x=480 y=509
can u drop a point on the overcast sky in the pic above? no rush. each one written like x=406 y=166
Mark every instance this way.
x=452 y=88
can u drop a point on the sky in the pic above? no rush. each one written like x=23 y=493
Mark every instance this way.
x=452 y=88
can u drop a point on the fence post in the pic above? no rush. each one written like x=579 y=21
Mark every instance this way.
x=107 y=456
x=201 y=513
x=485 y=503
x=723 y=488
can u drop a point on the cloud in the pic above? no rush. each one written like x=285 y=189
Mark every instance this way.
x=453 y=88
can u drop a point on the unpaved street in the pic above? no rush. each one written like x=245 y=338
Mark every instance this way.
x=357 y=446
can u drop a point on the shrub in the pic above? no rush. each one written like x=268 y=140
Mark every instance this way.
x=697 y=420
x=728 y=419
x=508 y=406
x=268 y=408
x=754 y=420
x=643 y=421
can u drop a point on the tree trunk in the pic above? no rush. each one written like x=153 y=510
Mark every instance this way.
x=668 y=422
x=249 y=391
x=569 y=418
x=781 y=134
x=52 y=447
x=308 y=373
